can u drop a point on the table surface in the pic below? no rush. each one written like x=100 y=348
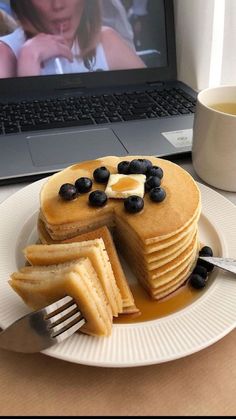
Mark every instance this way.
x=197 y=385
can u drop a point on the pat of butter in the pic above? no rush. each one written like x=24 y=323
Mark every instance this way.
x=123 y=186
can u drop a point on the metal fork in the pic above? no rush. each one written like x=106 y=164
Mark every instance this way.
x=43 y=328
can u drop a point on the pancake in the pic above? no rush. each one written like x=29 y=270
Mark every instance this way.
x=173 y=248
x=168 y=272
x=171 y=286
x=92 y=249
x=176 y=239
x=165 y=267
x=172 y=273
x=103 y=233
x=160 y=258
x=42 y=285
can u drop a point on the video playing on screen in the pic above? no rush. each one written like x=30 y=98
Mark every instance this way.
x=56 y=37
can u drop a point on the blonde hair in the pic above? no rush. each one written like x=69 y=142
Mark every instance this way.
x=88 y=30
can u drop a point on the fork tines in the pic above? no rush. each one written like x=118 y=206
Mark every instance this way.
x=63 y=318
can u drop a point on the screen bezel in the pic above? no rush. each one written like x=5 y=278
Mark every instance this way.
x=101 y=79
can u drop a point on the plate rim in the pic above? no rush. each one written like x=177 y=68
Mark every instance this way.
x=219 y=284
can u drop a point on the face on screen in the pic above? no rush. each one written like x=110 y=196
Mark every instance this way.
x=52 y=37
x=59 y=17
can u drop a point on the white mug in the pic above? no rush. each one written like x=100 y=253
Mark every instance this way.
x=214 y=138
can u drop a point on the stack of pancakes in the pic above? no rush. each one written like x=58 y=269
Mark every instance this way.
x=165 y=265
x=160 y=243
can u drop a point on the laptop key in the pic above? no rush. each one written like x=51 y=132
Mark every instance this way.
x=139 y=111
x=151 y=115
x=133 y=117
x=162 y=114
x=37 y=127
x=101 y=120
x=173 y=112
x=187 y=104
x=11 y=130
x=115 y=119
x=184 y=111
x=85 y=122
x=52 y=125
x=70 y=119
x=109 y=114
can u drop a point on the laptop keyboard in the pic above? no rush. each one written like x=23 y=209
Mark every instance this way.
x=93 y=110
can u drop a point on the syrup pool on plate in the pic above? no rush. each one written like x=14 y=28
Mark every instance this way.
x=152 y=309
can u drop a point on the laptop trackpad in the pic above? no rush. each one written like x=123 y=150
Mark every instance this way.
x=70 y=147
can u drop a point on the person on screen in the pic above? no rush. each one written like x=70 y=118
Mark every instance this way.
x=62 y=36
x=115 y=16
x=139 y=19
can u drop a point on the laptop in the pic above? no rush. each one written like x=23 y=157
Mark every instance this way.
x=65 y=113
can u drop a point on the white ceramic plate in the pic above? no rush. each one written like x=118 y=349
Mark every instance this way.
x=182 y=333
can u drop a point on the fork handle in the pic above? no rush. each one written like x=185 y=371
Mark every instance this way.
x=26 y=335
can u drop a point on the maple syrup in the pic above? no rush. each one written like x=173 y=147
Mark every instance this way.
x=87 y=165
x=125 y=184
x=152 y=309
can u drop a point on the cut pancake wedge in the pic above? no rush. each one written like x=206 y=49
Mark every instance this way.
x=92 y=249
x=40 y=286
x=103 y=233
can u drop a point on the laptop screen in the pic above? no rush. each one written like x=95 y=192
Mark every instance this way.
x=58 y=37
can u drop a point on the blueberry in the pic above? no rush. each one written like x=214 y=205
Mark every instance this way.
x=197 y=281
x=206 y=251
x=148 y=164
x=200 y=270
x=209 y=267
x=157 y=194
x=134 y=204
x=97 y=198
x=83 y=184
x=152 y=182
x=68 y=192
x=123 y=167
x=101 y=174
x=138 y=166
x=155 y=171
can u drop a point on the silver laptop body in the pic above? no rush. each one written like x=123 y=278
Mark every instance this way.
x=154 y=126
